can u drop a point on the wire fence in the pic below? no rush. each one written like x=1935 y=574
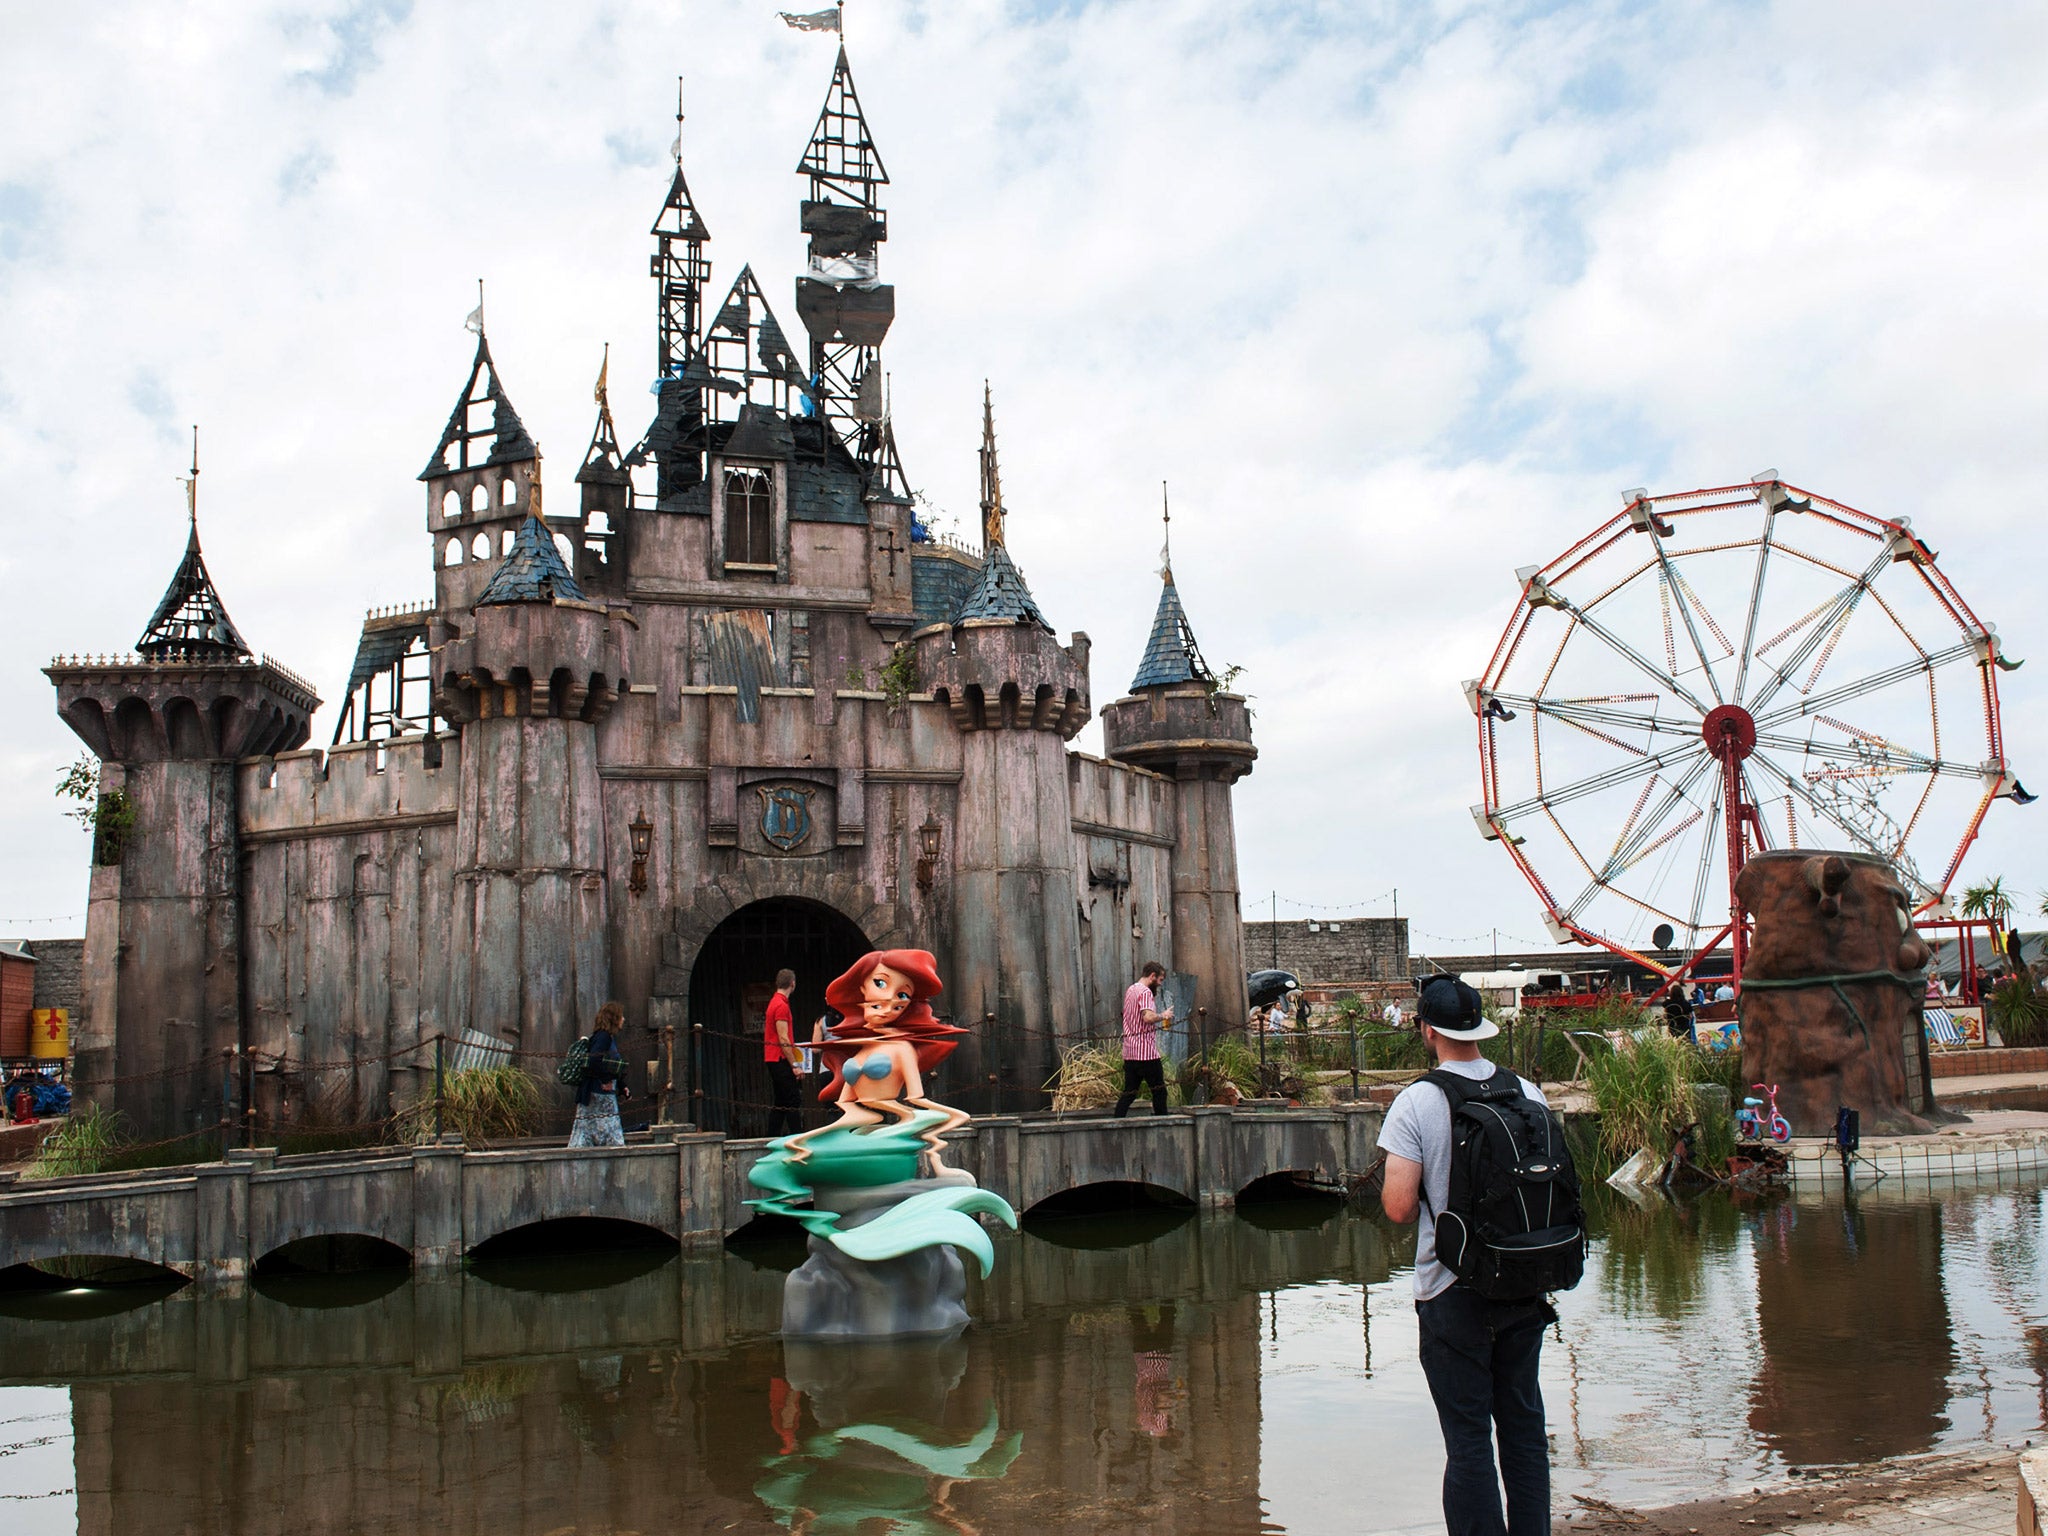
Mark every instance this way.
x=716 y=1079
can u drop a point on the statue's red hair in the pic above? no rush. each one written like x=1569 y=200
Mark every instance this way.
x=929 y=1037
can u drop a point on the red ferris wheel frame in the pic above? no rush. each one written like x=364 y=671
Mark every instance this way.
x=1729 y=729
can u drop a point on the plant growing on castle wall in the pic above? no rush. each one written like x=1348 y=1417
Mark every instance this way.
x=1226 y=682
x=898 y=676
x=110 y=817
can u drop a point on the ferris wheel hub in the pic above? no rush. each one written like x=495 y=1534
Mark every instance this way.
x=1729 y=732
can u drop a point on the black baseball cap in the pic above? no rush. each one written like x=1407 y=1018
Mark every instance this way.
x=1454 y=1010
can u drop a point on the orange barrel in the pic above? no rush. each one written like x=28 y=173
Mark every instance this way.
x=49 y=1034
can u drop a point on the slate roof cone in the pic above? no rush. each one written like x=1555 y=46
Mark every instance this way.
x=533 y=573
x=999 y=591
x=1171 y=655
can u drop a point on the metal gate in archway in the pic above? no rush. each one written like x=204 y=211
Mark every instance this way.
x=730 y=982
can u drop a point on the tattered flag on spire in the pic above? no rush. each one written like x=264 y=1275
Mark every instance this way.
x=812 y=21
x=475 y=323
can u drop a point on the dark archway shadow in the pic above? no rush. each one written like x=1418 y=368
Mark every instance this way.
x=730 y=981
x=1287 y=1202
x=1112 y=1215
x=347 y=1269
x=770 y=1242
x=83 y=1287
x=575 y=1253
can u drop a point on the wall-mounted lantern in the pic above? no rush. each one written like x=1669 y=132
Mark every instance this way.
x=927 y=853
x=642 y=833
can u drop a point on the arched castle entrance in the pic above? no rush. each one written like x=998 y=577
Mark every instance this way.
x=733 y=938
x=730 y=984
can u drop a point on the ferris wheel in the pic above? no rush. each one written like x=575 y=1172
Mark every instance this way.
x=1713 y=673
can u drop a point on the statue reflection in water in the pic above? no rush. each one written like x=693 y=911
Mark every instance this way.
x=879 y=1457
x=1855 y=1330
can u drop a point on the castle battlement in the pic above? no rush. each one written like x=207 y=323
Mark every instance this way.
x=348 y=786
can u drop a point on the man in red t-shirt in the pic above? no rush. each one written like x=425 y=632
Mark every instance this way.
x=778 y=1049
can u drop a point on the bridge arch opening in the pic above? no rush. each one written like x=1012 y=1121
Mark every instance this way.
x=731 y=981
x=574 y=1236
x=770 y=1242
x=342 y=1269
x=1291 y=1200
x=1108 y=1214
x=78 y=1287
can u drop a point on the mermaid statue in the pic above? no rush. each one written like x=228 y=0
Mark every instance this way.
x=883 y=1210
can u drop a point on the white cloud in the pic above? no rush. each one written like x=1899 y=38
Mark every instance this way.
x=1397 y=298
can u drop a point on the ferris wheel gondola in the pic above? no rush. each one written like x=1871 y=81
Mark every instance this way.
x=1635 y=749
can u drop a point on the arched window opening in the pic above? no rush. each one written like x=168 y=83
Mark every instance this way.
x=568 y=550
x=480 y=499
x=506 y=540
x=451 y=507
x=749 y=520
x=454 y=553
x=509 y=492
x=481 y=548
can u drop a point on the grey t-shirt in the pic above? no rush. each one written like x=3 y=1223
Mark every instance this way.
x=1418 y=1127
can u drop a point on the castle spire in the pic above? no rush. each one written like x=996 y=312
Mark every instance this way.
x=191 y=622
x=681 y=269
x=473 y=439
x=602 y=462
x=844 y=305
x=992 y=513
x=1171 y=655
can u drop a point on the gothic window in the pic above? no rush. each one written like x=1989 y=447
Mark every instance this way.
x=454 y=556
x=480 y=499
x=510 y=492
x=749 y=520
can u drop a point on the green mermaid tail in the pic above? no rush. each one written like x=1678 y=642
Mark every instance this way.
x=862 y=1158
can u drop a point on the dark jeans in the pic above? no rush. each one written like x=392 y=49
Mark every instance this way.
x=783 y=1120
x=1137 y=1074
x=1480 y=1358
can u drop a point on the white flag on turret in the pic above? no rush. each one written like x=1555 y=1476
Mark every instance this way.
x=812 y=21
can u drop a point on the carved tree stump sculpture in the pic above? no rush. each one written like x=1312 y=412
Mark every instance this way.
x=1833 y=988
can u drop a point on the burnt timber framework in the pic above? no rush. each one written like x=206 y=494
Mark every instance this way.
x=734 y=668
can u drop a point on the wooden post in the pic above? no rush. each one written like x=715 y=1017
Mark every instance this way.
x=990 y=1055
x=227 y=1100
x=697 y=1075
x=668 y=1072
x=440 y=1081
x=1352 y=1019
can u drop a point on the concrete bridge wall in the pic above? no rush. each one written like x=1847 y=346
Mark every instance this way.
x=213 y=1223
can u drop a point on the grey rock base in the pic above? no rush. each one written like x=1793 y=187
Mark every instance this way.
x=917 y=1295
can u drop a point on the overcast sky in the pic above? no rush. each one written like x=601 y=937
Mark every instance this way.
x=1398 y=297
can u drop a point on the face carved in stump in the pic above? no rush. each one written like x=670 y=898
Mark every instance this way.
x=885 y=996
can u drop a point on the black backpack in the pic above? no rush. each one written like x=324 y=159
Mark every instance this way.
x=575 y=1066
x=1513 y=1227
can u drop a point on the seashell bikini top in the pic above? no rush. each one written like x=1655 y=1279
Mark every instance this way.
x=877 y=1066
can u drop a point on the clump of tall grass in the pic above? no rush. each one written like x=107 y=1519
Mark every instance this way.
x=1090 y=1077
x=1229 y=1059
x=1644 y=1090
x=501 y=1102
x=92 y=1139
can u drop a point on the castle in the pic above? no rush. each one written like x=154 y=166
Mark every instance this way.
x=736 y=708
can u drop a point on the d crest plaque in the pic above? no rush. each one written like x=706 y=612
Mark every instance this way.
x=786 y=819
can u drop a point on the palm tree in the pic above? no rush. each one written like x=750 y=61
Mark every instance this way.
x=1990 y=900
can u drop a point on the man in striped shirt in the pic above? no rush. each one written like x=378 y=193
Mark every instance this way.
x=1142 y=1018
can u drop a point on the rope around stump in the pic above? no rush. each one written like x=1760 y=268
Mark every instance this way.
x=1915 y=980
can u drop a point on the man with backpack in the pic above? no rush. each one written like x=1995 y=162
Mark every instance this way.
x=1478 y=1156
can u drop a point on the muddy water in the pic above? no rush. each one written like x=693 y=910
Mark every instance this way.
x=1240 y=1373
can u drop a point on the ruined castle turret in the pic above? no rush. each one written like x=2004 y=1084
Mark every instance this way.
x=526 y=676
x=1017 y=696
x=1178 y=721
x=160 y=997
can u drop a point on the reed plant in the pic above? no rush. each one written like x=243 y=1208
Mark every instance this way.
x=1644 y=1090
x=92 y=1139
x=496 y=1103
x=1091 y=1076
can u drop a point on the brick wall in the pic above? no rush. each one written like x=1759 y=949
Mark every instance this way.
x=57 y=967
x=1989 y=1063
x=1354 y=950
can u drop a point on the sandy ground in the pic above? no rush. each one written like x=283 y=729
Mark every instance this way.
x=1975 y=1494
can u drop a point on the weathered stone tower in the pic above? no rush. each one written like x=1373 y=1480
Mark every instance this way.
x=161 y=990
x=1017 y=696
x=1177 y=720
